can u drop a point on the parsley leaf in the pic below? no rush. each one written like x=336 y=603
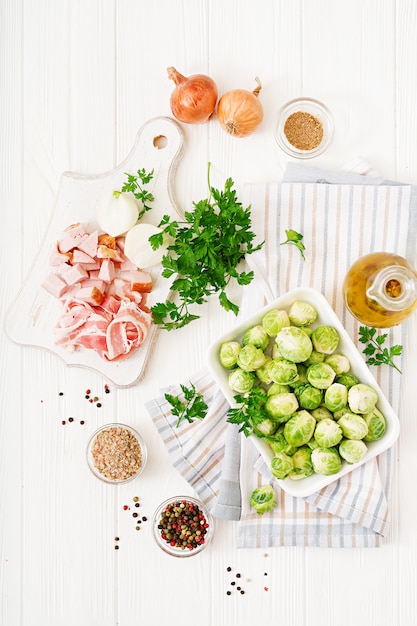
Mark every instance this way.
x=136 y=184
x=296 y=239
x=192 y=407
x=250 y=410
x=375 y=350
x=204 y=256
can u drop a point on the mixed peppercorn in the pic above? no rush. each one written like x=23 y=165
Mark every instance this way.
x=183 y=525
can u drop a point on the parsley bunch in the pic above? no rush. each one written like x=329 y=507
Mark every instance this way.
x=378 y=355
x=136 y=184
x=250 y=410
x=192 y=407
x=203 y=258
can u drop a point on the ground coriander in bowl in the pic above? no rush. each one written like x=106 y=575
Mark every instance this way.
x=116 y=453
x=304 y=128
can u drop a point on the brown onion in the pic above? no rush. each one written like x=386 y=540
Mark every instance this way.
x=240 y=112
x=194 y=98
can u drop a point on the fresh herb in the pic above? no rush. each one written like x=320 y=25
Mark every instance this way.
x=296 y=239
x=136 y=184
x=192 y=407
x=378 y=355
x=250 y=410
x=206 y=251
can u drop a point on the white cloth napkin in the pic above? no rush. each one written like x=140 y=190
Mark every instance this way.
x=342 y=216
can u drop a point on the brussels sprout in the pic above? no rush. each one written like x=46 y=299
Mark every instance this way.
x=353 y=426
x=302 y=314
x=348 y=380
x=328 y=433
x=352 y=450
x=256 y=336
x=362 y=398
x=281 y=465
x=241 y=381
x=281 y=406
x=300 y=428
x=294 y=344
x=303 y=466
x=228 y=354
x=278 y=443
x=325 y=339
x=339 y=362
x=250 y=358
x=326 y=461
x=308 y=397
x=335 y=397
x=377 y=425
x=274 y=320
x=264 y=427
x=321 y=413
x=320 y=375
x=278 y=388
x=315 y=357
x=302 y=376
x=263 y=499
x=283 y=371
x=262 y=372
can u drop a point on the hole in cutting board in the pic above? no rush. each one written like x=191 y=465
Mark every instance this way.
x=160 y=142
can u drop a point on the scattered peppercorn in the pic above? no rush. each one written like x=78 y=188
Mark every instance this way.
x=61 y=393
x=106 y=390
x=116 y=538
x=134 y=514
x=99 y=404
x=137 y=527
x=63 y=422
x=144 y=519
x=82 y=422
x=135 y=499
x=137 y=504
x=88 y=391
x=87 y=396
x=233 y=583
x=228 y=569
x=125 y=507
x=228 y=593
x=239 y=588
x=116 y=547
x=242 y=591
x=238 y=575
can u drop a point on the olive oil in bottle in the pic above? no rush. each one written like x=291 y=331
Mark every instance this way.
x=380 y=289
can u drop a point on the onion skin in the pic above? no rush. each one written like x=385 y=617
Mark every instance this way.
x=240 y=112
x=194 y=98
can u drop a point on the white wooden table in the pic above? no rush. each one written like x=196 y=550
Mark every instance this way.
x=78 y=79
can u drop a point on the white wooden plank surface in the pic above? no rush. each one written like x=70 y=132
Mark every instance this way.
x=78 y=79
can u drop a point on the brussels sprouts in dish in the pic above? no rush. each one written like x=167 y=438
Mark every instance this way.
x=251 y=358
x=328 y=433
x=353 y=426
x=335 y=397
x=300 y=428
x=325 y=339
x=278 y=443
x=352 y=450
x=283 y=371
x=274 y=320
x=256 y=336
x=302 y=314
x=263 y=499
x=281 y=465
x=278 y=388
x=322 y=413
x=308 y=397
x=377 y=425
x=241 y=381
x=302 y=465
x=348 y=380
x=294 y=344
x=320 y=375
x=228 y=354
x=339 y=362
x=280 y=406
x=326 y=461
x=362 y=398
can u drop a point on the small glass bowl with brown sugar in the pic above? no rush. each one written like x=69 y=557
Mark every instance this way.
x=305 y=128
x=116 y=453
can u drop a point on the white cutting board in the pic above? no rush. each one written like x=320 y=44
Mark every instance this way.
x=34 y=313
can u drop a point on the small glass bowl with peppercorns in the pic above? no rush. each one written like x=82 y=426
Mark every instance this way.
x=116 y=453
x=182 y=526
x=304 y=128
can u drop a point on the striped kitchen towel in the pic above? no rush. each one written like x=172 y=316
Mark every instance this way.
x=341 y=216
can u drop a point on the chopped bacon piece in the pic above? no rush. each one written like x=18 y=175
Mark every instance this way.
x=73 y=235
x=55 y=285
x=107 y=271
x=78 y=256
x=89 y=245
x=141 y=281
x=107 y=240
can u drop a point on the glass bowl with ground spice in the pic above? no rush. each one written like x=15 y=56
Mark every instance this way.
x=116 y=453
x=305 y=128
x=182 y=526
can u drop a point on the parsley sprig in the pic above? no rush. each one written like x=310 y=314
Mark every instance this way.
x=250 y=410
x=192 y=407
x=296 y=239
x=136 y=183
x=204 y=256
x=378 y=355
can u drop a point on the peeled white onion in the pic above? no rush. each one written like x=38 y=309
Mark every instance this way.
x=117 y=212
x=138 y=249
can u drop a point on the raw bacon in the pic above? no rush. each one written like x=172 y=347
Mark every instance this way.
x=103 y=296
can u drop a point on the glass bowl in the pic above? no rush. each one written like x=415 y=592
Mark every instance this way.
x=175 y=541
x=116 y=453
x=304 y=128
